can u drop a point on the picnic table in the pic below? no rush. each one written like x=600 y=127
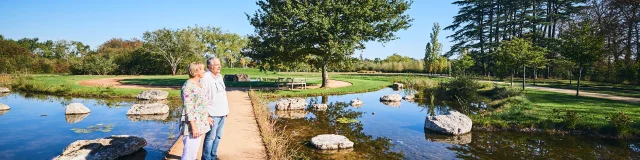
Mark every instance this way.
x=291 y=82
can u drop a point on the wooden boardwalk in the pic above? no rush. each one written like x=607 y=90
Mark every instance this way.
x=241 y=137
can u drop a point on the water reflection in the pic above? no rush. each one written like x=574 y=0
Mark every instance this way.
x=3 y=112
x=75 y=118
x=398 y=133
x=506 y=145
x=391 y=104
x=365 y=147
x=449 y=139
x=148 y=117
x=24 y=125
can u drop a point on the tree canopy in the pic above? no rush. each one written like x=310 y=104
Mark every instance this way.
x=322 y=32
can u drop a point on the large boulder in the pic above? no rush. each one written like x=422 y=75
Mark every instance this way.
x=453 y=123
x=76 y=108
x=331 y=141
x=4 y=90
x=153 y=95
x=154 y=108
x=75 y=118
x=4 y=107
x=104 y=148
x=391 y=98
x=320 y=107
x=147 y=117
x=356 y=103
x=397 y=86
x=291 y=104
x=291 y=114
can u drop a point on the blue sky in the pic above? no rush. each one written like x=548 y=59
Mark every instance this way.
x=94 y=22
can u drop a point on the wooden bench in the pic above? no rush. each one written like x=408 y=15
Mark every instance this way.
x=291 y=82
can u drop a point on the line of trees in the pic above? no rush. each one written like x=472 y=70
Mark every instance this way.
x=596 y=40
x=162 y=51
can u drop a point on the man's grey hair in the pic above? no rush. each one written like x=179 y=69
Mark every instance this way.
x=210 y=60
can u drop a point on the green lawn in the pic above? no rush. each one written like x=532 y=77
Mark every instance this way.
x=68 y=85
x=548 y=110
x=627 y=90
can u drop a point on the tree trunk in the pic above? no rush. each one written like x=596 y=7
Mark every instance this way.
x=512 y=73
x=174 y=68
x=579 y=77
x=325 y=76
x=570 y=77
x=535 y=75
x=524 y=75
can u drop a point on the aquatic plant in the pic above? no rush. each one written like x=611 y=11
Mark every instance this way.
x=347 y=120
x=97 y=127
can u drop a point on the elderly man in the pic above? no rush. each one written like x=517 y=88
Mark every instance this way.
x=217 y=106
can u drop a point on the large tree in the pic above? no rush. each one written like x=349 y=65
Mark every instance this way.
x=173 y=45
x=323 y=32
x=433 y=51
x=581 y=46
x=519 y=53
x=224 y=45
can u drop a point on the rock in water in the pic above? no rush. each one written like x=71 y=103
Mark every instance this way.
x=103 y=148
x=409 y=97
x=356 y=103
x=331 y=141
x=4 y=107
x=153 y=95
x=320 y=107
x=154 y=108
x=397 y=86
x=291 y=104
x=147 y=117
x=4 y=90
x=454 y=123
x=76 y=108
x=391 y=98
x=74 y=118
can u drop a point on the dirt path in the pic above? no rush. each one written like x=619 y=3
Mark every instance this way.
x=115 y=82
x=241 y=136
x=585 y=94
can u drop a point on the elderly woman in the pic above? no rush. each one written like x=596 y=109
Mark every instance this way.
x=195 y=120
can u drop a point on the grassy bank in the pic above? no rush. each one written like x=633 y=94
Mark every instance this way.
x=68 y=85
x=276 y=144
x=546 y=111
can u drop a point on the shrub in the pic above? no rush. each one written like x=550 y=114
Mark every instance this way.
x=569 y=118
x=462 y=87
x=622 y=123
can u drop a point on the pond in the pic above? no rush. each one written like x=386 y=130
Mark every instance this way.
x=36 y=126
x=396 y=131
